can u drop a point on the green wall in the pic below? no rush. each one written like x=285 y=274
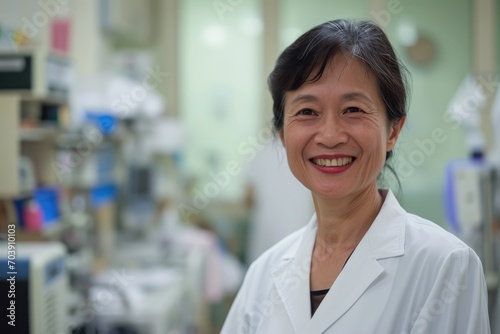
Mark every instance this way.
x=448 y=25
x=497 y=20
x=222 y=84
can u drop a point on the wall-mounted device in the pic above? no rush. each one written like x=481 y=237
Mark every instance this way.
x=36 y=73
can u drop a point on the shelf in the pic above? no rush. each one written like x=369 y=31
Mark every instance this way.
x=38 y=134
x=37 y=143
x=51 y=232
x=28 y=96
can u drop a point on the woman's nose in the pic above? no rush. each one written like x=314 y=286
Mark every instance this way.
x=331 y=132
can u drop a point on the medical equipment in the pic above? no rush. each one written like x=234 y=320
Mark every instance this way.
x=472 y=194
x=464 y=110
x=494 y=159
x=468 y=203
x=37 y=286
x=35 y=72
x=143 y=301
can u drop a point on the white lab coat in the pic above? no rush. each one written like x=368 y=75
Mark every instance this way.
x=407 y=275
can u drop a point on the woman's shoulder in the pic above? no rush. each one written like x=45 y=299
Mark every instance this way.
x=278 y=254
x=429 y=242
x=421 y=238
x=421 y=229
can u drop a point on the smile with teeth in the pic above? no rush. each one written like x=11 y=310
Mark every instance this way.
x=333 y=162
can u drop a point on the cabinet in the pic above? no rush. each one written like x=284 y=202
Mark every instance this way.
x=34 y=140
x=9 y=145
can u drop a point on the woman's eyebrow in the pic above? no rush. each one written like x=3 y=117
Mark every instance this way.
x=351 y=96
x=303 y=98
x=356 y=96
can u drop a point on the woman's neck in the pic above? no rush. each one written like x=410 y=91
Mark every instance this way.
x=342 y=223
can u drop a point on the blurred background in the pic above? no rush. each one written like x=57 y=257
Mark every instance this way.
x=139 y=175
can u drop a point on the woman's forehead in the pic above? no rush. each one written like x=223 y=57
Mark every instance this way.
x=341 y=74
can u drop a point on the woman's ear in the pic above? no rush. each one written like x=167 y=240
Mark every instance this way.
x=394 y=131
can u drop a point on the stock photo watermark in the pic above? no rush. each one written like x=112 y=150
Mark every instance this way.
x=296 y=275
x=265 y=308
x=450 y=290
x=437 y=306
x=127 y=102
x=222 y=7
x=11 y=274
x=30 y=26
x=221 y=179
x=384 y=16
x=93 y=136
x=68 y=162
x=88 y=311
x=458 y=115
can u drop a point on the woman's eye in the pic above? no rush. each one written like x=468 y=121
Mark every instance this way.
x=306 y=112
x=353 y=110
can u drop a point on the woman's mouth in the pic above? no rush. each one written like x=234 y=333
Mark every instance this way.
x=339 y=162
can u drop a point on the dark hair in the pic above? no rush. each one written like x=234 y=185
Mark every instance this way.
x=307 y=57
x=312 y=51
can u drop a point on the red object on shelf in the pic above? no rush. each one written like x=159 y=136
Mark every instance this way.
x=33 y=218
x=60 y=31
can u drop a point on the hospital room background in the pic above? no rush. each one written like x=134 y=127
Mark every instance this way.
x=139 y=173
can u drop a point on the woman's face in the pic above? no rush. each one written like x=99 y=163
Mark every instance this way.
x=336 y=133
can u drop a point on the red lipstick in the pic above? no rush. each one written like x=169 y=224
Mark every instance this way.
x=332 y=169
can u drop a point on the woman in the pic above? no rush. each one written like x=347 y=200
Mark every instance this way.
x=362 y=264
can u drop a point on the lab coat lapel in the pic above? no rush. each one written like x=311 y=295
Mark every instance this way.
x=384 y=239
x=359 y=273
x=291 y=279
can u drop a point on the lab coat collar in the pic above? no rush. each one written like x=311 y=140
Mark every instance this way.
x=384 y=239
x=386 y=235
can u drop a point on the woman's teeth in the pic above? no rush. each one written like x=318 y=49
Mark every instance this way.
x=333 y=162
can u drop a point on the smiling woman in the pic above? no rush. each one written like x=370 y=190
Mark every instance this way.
x=340 y=103
x=334 y=120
